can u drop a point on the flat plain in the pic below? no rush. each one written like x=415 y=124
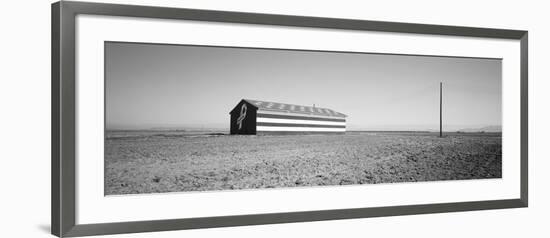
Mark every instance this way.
x=177 y=161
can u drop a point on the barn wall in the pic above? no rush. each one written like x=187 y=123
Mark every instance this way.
x=279 y=122
x=248 y=124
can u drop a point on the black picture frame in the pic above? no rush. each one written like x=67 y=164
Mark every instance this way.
x=63 y=117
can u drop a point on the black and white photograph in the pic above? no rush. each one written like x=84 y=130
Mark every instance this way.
x=185 y=118
x=142 y=118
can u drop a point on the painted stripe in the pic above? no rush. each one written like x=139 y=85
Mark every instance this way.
x=297 y=132
x=296 y=125
x=283 y=128
x=297 y=113
x=290 y=121
x=298 y=116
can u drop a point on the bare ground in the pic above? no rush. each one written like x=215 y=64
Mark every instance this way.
x=175 y=162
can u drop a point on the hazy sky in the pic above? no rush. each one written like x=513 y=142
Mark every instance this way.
x=151 y=85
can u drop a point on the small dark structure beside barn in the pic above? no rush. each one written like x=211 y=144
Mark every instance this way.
x=260 y=117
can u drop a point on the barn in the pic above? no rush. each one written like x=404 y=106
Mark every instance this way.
x=260 y=117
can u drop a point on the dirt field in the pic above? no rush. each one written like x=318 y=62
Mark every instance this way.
x=152 y=162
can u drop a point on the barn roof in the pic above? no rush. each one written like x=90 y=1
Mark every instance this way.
x=283 y=107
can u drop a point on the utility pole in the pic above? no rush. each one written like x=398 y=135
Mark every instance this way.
x=440 y=109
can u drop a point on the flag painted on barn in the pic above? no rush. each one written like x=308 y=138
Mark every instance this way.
x=261 y=117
